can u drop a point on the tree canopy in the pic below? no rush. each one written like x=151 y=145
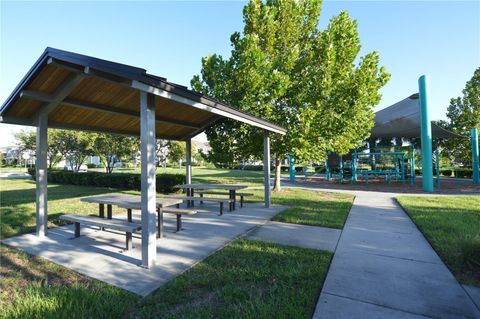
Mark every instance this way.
x=284 y=69
x=463 y=114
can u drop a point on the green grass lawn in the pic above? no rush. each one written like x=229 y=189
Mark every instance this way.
x=452 y=226
x=32 y=287
x=17 y=199
x=17 y=204
x=245 y=279
x=309 y=207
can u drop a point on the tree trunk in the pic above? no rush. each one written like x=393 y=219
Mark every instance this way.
x=278 y=168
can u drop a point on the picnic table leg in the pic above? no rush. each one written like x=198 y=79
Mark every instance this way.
x=129 y=215
x=159 y=223
x=179 y=222
x=192 y=192
x=232 y=196
x=101 y=213
x=77 y=229
x=109 y=211
x=129 y=240
x=201 y=201
x=241 y=201
x=188 y=195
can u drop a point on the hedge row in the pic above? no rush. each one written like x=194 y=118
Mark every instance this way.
x=165 y=182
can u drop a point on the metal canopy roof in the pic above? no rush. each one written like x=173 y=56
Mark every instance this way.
x=402 y=119
x=87 y=93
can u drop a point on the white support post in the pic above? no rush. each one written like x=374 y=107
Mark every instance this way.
x=266 y=167
x=148 y=179
x=41 y=174
x=188 y=168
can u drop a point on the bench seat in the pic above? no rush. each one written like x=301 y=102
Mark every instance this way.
x=117 y=224
x=242 y=195
x=221 y=201
x=179 y=212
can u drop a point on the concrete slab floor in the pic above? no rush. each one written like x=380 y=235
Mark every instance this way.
x=101 y=254
x=314 y=237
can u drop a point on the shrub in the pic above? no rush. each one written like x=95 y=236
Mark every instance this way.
x=91 y=165
x=253 y=167
x=464 y=173
x=446 y=172
x=165 y=182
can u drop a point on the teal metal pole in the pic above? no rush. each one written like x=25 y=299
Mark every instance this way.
x=341 y=169
x=437 y=162
x=475 y=163
x=327 y=169
x=412 y=166
x=426 y=134
x=291 y=162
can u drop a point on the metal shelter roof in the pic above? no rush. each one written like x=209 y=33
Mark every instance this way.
x=402 y=119
x=87 y=93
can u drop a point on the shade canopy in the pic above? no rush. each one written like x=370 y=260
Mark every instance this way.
x=402 y=119
x=87 y=93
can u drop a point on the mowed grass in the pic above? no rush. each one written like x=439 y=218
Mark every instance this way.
x=312 y=207
x=32 y=287
x=17 y=204
x=246 y=279
x=452 y=226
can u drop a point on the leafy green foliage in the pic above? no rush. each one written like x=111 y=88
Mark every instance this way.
x=284 y=69
x=114 y=148
x=164 y=182
x=74 y=146
x=463 y=114
x=27 y=140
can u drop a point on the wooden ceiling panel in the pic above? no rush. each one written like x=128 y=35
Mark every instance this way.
x=24 y=108
x=49 y=79
x=172 y=109
x=100 y=91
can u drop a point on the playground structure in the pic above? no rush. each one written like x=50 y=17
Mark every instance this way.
x=408 y=118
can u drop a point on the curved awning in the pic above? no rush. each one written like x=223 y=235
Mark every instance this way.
x=402 y=119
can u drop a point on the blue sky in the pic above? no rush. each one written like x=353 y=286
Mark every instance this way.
x=440 y=39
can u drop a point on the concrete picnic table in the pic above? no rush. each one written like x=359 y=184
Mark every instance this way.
x=130 y=202
x=232 y=188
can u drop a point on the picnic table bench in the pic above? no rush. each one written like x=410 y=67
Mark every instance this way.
x=190 y=190
x=241 y=195
x=117 y=224
x=366 y=173
x=221 y=201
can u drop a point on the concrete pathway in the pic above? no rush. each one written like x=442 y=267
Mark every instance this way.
x=101 y=254
x=297 y=235
x=383 y=267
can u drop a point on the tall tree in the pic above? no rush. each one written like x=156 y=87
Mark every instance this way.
x=161 y=152
x=284 y=69
x=75 y=146
x=114 y=148
x=27 y=140
x=176 y=151
x=463 y=114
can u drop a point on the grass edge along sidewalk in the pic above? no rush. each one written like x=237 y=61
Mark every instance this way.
x=452 y=226
x=244 y=279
